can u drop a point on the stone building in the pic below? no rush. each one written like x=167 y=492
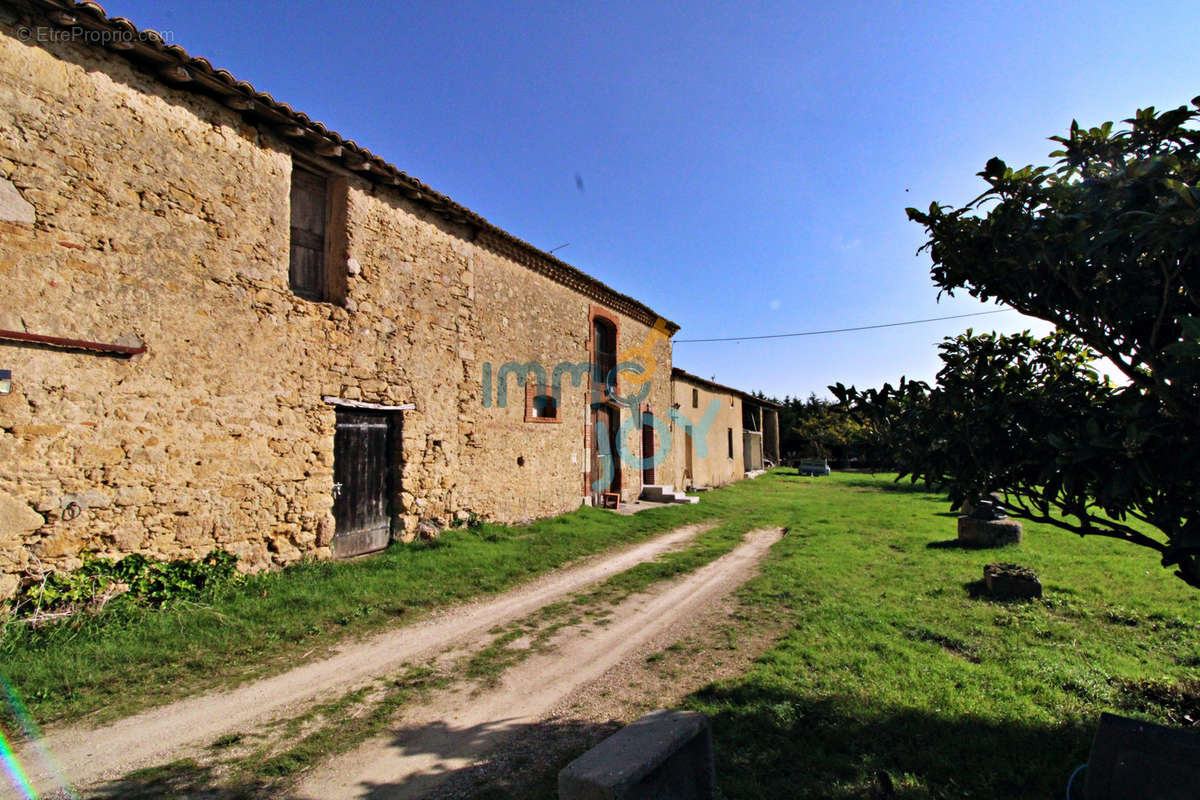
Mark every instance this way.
x=227 y=326
x=728 y=434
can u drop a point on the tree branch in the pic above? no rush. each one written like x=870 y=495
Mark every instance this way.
x=1088 y=527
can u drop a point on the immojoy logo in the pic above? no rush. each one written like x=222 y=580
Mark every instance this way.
x=639 y=367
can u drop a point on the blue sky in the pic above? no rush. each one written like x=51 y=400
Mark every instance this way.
x=745 y=167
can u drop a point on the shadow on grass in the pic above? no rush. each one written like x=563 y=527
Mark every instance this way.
x=504 y=761
x=183 y=778
x=769 y=742
x=950 y=544
x=774 y=743
x=897 y=487
x=977 y=590
x=960 y=544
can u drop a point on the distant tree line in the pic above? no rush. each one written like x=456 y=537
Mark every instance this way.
x=813 y=427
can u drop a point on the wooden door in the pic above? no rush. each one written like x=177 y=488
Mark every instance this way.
x=647 y=453
x=362 y=475
x=689 y=448
x=604 y=453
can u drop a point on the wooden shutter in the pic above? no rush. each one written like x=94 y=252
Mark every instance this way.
x=306 y=272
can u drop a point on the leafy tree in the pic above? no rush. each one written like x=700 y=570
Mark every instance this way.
x=816 y=428
x=1105 y=244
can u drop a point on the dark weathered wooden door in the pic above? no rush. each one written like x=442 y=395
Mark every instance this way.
x=648 y=453
x=689 y=447
x=606 y=467
x=362 y=482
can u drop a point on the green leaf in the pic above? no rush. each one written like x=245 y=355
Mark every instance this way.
x=995 y=168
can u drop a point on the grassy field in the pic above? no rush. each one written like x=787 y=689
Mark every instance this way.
x=890 y=660
x=130 y=658
x=893 y=662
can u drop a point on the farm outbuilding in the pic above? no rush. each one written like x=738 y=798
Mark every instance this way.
x=230 y=327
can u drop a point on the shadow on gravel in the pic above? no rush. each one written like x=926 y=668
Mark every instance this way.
x=506 y=761
x=526 y=767
x=773 y=743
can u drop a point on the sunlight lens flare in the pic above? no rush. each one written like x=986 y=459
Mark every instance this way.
x=15 y=773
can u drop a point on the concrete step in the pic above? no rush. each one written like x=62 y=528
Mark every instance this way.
x=665 y=493
x=658 y=492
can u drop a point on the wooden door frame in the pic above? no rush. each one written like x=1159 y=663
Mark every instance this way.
x=614 y=412
x=589 y=427
x=347 y=544
x=652 y=450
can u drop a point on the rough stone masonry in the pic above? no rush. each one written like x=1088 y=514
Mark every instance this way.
x=134 y=211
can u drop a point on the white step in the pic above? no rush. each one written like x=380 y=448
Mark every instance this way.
x=654 y=491
x=665 y=493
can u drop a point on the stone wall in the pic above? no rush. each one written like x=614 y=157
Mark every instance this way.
x=135 y=212
x=715 y=467
x=527 y=317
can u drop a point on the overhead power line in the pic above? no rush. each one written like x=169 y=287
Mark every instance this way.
x=844 y=330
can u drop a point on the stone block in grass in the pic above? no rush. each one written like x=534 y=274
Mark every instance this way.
x=1011 y=582
x=988 y=532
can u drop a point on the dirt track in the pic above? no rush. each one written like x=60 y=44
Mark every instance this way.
x=450 y=730
x=87 y=756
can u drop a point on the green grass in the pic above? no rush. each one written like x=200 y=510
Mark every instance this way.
x=892 y=661
x=129 y=658
x=889 y=658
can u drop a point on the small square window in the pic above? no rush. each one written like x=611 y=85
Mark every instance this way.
x=540 y=405
x=544 y=407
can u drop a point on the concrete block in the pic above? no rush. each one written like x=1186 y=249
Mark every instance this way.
x=1132 y=758
x=665 y=755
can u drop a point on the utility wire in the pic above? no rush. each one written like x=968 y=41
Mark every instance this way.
x=844 y=330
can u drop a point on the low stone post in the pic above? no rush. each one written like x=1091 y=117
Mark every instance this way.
x=665 y=755
x=988 y=526
x=1011 y=582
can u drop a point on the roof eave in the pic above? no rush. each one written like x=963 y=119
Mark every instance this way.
x=172 y=65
